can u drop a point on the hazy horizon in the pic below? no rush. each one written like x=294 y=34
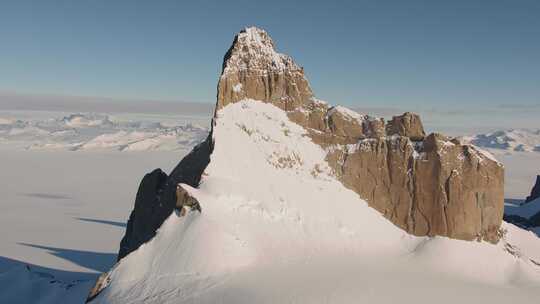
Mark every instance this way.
x=451 y=120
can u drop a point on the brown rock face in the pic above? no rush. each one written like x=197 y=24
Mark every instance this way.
x=430 y=185
x=430 y=188
x=408 y=125
x=252 y=69
x=345 y=124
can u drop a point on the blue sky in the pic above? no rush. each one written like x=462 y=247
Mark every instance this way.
x=453 y=54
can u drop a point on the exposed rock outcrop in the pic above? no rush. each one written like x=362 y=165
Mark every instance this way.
x=430 y=185
x=408 y=125
x=184 y=199
x=252 y=69
x=535 y=192
x=157 y=197
x=101 y=283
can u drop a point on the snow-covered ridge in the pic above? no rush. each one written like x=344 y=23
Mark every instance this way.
x=521 y=140
x=90 y=131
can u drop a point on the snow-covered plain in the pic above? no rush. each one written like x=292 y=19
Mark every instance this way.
x=69 y=182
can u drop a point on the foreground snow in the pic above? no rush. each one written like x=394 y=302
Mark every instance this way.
x=277 y=227
x=64 y=214
x=21 y=284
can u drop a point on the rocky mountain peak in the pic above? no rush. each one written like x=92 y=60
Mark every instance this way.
x=253 y=69
x=426 y=185
x=253 y=49
x=283 y=176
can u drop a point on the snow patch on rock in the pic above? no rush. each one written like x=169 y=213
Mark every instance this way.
x=347 y=113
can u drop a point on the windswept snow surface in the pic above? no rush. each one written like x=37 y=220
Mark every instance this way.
x=276 y=227
x=90 y=131
x=21 y=284
x=63 y=214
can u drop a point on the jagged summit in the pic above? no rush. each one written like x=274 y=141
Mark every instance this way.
x=253 y=49
x=253 y=69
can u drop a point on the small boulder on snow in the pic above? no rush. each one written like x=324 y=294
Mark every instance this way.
x=185 y=199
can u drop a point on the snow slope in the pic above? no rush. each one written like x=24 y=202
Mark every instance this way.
x=276 y=227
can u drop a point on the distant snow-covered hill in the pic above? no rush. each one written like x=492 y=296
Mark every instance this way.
x=521 y=140
x=89 y=131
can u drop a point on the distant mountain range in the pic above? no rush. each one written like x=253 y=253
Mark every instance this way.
x=519 y=140
x=90 y=131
